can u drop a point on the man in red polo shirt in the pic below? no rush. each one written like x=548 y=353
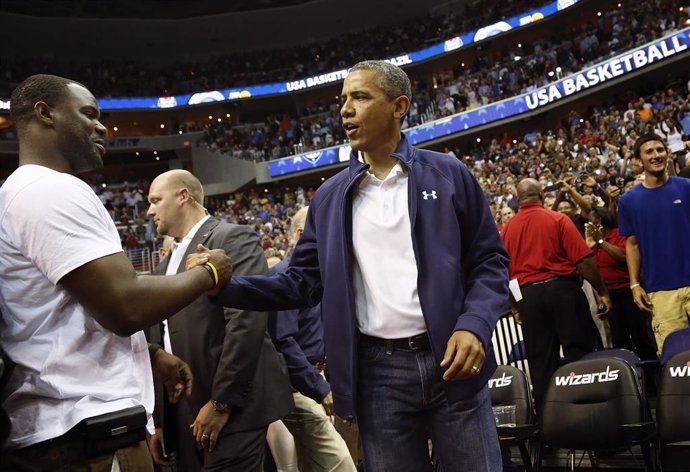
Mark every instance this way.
x=547 y=256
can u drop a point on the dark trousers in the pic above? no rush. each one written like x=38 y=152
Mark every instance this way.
x=241 y=451
x=631 y=328
x=555 y=314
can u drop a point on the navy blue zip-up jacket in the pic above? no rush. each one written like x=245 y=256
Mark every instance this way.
x=462 y=267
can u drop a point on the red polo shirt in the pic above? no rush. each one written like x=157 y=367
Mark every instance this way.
x=614 y=274
x=542 y=244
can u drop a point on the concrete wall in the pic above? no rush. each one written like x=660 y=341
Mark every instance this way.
x=221 y=173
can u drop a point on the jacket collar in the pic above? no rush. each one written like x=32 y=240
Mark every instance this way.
x=404 y=153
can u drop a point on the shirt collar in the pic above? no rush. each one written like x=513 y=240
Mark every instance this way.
x=190 y=234
x=395 y=171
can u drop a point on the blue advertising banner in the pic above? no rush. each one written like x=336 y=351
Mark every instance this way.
x=636 y=59
x=332 y=77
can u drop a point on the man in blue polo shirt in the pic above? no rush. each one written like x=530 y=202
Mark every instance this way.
x=655 y=217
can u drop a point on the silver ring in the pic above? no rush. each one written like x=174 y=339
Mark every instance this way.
x=475 y=369
x=204 y=436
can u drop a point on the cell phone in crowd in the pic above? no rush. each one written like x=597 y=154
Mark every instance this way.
x=551 y=188
x=601 y=309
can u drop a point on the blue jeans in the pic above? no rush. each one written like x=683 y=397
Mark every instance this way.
x=401 y=405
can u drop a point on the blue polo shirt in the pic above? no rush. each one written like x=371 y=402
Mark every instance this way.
x=660 y=220
x=298 y=336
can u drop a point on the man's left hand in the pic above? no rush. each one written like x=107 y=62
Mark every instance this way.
x=464 y=356
x=208 y=425
x=172 y=372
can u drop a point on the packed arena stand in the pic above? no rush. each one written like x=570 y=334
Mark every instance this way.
x=484 y=79
x=128 y=78
x=589 y=154
x=489 y=78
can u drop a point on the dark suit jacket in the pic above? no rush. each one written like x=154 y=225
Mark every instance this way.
x=229 y=351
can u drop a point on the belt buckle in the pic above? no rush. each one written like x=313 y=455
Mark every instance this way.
x=412 y=345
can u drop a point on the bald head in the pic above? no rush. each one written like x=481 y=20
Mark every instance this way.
x=177 y=179
x=529 y=191
x=175 y=202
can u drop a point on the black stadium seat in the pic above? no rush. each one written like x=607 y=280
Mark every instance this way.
x=673 y=413
x=509 y=386
x=675 y=342
x=598 y=405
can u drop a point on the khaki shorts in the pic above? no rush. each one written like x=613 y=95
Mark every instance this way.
x=670 y=313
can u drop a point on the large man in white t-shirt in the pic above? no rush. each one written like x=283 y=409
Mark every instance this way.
x=72 y=304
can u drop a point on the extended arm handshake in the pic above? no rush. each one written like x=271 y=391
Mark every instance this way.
x=125 y=302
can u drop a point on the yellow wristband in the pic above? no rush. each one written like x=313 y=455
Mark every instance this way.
x=215 y=273
x=636 y=284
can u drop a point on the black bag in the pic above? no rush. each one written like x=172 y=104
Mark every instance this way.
x=112 y=431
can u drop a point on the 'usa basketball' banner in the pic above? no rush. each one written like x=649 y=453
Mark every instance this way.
x=671 y=46
x=415 y=57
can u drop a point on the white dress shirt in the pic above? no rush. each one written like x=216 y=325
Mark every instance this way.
x=385 y=269
x=177 y=252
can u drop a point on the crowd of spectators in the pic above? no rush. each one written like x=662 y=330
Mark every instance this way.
x=127 y=78
x=587 y=159
x=489 y=78
x=587 y=156
x=590 y=155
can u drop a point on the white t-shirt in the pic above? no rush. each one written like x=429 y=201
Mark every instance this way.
x=68 y=366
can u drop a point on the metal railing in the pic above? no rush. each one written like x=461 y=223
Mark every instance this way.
x=140 y=259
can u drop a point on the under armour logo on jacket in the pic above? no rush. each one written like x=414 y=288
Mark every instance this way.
x=431 y=194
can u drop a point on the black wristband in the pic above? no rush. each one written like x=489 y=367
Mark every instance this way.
x=153 y=348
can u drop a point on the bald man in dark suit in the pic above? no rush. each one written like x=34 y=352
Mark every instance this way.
x=240 y=381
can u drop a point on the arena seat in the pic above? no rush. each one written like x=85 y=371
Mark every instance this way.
x=675 y=342
x=673 y=403
x=509 y=386
x=598 y=405
x=628 y=356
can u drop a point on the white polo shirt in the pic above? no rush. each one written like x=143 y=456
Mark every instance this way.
x=385 y=270
x=68 y=366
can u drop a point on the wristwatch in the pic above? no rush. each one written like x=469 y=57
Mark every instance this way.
x=220 y=406
x=600 y=242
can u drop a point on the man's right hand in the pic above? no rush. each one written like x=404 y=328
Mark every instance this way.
x=564 y=186
x=174 y=373
x=217 y=257
x=607 y=304
x=641 y=299
x=613 y=192
x=155 y=443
